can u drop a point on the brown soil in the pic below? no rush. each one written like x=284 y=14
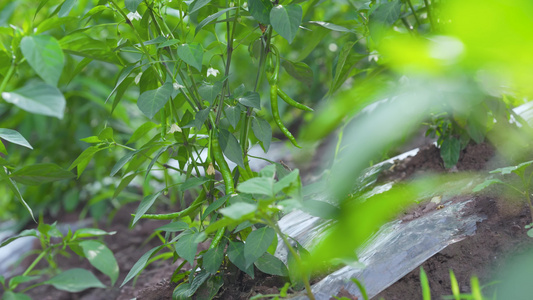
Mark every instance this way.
x=500 y=235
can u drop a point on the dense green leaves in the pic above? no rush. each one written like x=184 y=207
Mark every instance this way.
x=286 y=20
x=75 y=280
x=38 y=98
x=150 y=102
x=44 y=55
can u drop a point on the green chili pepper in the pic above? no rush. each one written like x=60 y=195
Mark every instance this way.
x=275 y=114
x=291 y=102
x=222 y=165
x=218 y=237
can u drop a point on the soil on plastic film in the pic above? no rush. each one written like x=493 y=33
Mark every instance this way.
x=501 y=234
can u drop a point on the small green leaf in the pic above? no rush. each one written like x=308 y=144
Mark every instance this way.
x=233 y=115
x=38 y=98
x=121 y=162
x=450 y=151
x=272 y=265
x=210 y=91
x=140 y=264
x=14 y=137
x=210 y=19
x=286 y=181
x=213 y=258
x=75 y=280
x=257 y=185
x=91 y=140
x=124 y=73
x=257 y=243
x=251 y=99
x=191 y=54
x=9 y=295
x=24 y=233
x=238 y=210
x=230 y=147
x=91 y=232
x=260 y=10
x=330 y=26
x=286 y=20
x=85 y=157
x=40 y=173
x=44 y=55
x=141 y=131
x=173 y=227
x=262 y=131
x=236 y=256
x=145 y=204
x=485 y=184
x=106 y=134
x=101 y=258
x=66 y=7
x=299 y=71
x=187 y=246
x=426 y=292
x=150 y=102
x=215 y=205
x=13 y=187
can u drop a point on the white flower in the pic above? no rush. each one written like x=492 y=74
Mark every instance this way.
x=134 y=16
x=177 y=86
x=174 y=128
x=211 y=169
x=138 y=77
x=213 y=72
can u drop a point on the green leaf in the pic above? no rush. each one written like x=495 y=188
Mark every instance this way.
x=9 y=295
x=238 y=210
x=75 y=280
x=260 y=10
x=44 y=55
x=330 y=26
x=257 y=244
x=251 y=99
x=233 y=115
x=141 y=131
x=13 y=187
x=150 y=102
x=200 y=118
x=123 y=161
x=140 y=264
x=515 y=169
x=4 y=151
x=286 y=181
x=14 y=137
x=230 y=147
x=132 y=5
x=236 y=256
x=145 y=204
x=40 y=173
x=124 y=73
x=262 y=131
x=320 y=209
x=286 y=20
x=210 y=19
x=210 y=91
x=210 y=289
x=191 y=54
x=215 y=205
x=85 y=157
x=197 y=4
x=91 y=140
x=24 y=233
x=38 y=98
x=66 y=7
x=299 y=71
x=106 y=134
x=450 y=151
x=187 y=246
x=192 y=183
x=346 y=63
x=124 y=183
x=272 y=265
x=424 y=282
x=168 y=43
x=101 y=258
x=173 y=227
x=213 y=258
x=91 y=232
x=485 y=184
x=16 y=280
x=257 y=185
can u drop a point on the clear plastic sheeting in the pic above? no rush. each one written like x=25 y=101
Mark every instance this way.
x=395 y=250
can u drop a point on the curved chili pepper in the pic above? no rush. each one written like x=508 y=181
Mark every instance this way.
x=275 y=114
x=291 y=102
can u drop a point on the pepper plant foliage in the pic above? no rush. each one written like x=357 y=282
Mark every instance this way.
x=188 y=100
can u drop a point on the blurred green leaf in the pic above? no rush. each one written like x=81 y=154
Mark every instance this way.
x=260 y=10
x=75 y=280
x=299 y=70
x=210 y=19
x=44 y=55
x=450 y=151
x=40 y=173
x=238 y=210
x=257 y=185
x=286 y=19
x=38 y=98
x=197 y=4
x=257 y=244
x=140 y=264
x=101 y=258
x=272 y=265
x=236 y=256
x=14 y=137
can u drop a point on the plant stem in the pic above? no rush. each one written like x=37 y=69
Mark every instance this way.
x=35 y=262
x=414 y=12
x=430 y=16
x=7 y=77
